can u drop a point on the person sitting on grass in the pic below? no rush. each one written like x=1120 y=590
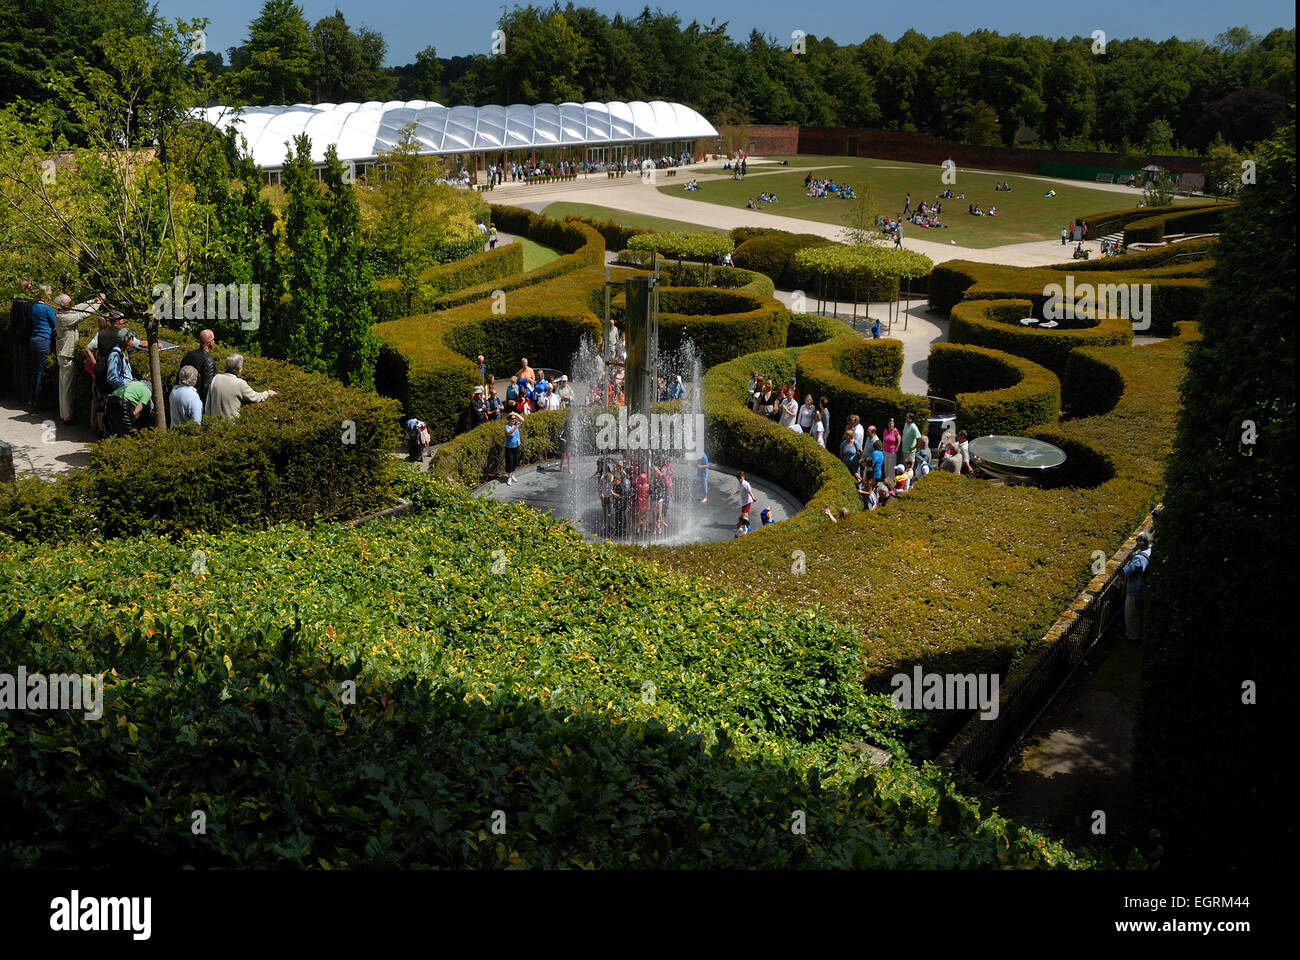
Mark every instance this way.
x=742 y=526
x=993 y=211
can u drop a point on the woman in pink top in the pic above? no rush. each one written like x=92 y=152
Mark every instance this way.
x=890 y=440
x=642 y=502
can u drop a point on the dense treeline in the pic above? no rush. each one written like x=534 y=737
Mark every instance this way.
x=978 y=88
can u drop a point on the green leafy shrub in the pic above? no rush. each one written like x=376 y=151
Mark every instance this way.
x=995 y=392
x=692 y=274
x=219 y=699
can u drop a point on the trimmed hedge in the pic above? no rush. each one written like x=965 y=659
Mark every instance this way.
x=546 y=720
x=1153 y=229
x=616 y=234
x=858 y=376
x=293 y=458
x=476 y=269
x=1157 y=260
x=722 y=324
x=809 y=328
x=1108 y=221
x=992 y=324
x=583 y=247
x=1090 y=386
x=773 y=253
x=423 y=360
x=692 y=274
x=995 y=391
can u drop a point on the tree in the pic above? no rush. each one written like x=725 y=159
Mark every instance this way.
x=1159 y=137
x=981 y=128
x=1159 y=190
x=1218 y=622
x=123 y=218
x=425 y=75
x=351 y=347
x=410 y=215
x=50 y=36
x=275 y=64
x=862 y=230
x=301 y=332
x=1222 y=169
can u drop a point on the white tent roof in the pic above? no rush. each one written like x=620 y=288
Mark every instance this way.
x=361 y=130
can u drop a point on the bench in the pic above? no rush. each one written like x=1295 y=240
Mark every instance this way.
x=1105 y=178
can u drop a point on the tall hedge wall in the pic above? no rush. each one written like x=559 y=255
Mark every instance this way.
x=995 y=391
x=772 y=254
x=723 y=324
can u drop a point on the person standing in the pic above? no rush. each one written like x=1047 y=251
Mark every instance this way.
x=200 y=358
x=482 y=369
x=43 y=327
x=963 y=450
x=859 y=436
x=68 y=321
x=875 y=330
x=20 y=335
x=889 y=443
x=911 y=436
x=492 y=236
x=877 y=462
x=807 y=414
x=513 y=447
x=898 y=235
x=230 y=391
x=851 y=453
x=702 y=477
x=746 y=493
x=1135 y=576
x=184 y=403
x=789 y=410
x=907 y=205
x=825 y=408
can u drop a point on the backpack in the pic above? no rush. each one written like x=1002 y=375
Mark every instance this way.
x=118 y=421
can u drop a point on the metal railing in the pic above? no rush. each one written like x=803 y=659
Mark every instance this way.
x=982 y=747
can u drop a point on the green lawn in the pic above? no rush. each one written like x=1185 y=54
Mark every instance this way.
x=1024 y=214
x=563 y=209
x=537 y=254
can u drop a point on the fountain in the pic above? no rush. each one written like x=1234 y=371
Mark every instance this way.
x=645 y=436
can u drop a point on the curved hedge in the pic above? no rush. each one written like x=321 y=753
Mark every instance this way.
x=995 y=391
x=1090 y=386
x=773 y=253
x=317 y=450
x=859 y=376
x=692 y=274
x=1153 y=229
x=424 y=360
x=723 y=324
x=583 y=246
x=1109 y=221
x=445 y=278
x=809 y=328
x=992 y=323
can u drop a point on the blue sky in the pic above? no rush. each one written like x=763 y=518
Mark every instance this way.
x=465 y=28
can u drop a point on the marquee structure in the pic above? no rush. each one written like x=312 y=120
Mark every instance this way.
x=474 y=136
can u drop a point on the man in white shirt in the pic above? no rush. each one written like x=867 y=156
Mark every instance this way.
x=858 y=434
x=789 y=410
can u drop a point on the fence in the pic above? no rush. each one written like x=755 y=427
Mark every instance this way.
x=982 y=747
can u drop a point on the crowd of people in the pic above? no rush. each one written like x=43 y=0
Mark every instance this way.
x=828 y=188
x=120 y=403
x=636 y=494
x=885 y=464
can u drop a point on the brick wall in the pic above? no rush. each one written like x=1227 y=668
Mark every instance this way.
x=767 y=141
x=919 y=148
